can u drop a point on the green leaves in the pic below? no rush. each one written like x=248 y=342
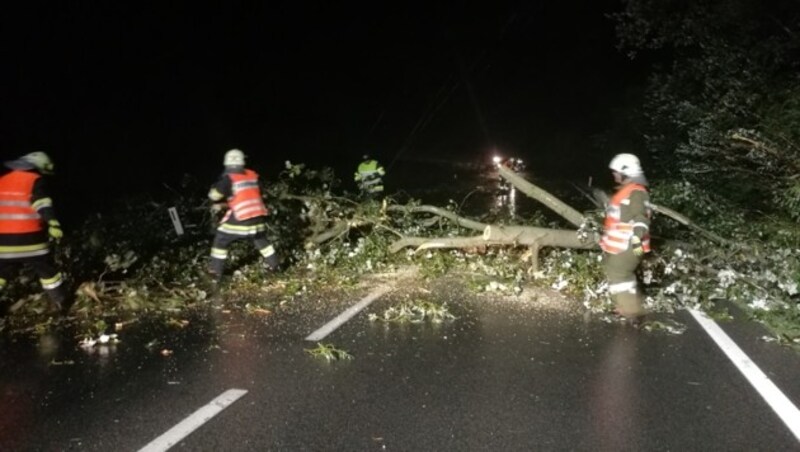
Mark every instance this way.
x=723 y=107
x=116 y=262
x=328 y=353
x=415 y=311
x=789 y=197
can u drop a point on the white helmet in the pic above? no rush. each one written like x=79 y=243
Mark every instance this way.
x=40 y=161
x=234 y=157
x=626 y=164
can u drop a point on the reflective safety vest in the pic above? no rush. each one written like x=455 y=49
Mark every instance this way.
x=616 y=234
x=245 y=202
x=17 y=215
x=369 y=175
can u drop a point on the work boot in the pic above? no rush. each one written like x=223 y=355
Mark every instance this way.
x=637 y=322
x=271 y=263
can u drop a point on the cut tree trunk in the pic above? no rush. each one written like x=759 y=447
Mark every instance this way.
x=539 y=237
x=500 y=235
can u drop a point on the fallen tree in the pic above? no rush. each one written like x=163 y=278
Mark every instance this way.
x=512 y=235
x=586 y=236
x=123 y=270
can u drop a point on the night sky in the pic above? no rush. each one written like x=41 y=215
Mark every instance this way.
x=125 y=98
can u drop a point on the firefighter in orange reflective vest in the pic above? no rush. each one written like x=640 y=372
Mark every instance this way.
x=626 y=236
x=238 y=190
x=27 y=220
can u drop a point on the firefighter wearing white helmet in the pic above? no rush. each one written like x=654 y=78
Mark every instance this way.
x=626 y=165
x=626 y=236
x=234 y=157
x=28 y=222
x=239 y=190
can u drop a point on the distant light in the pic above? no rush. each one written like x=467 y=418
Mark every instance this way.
x=496 y=159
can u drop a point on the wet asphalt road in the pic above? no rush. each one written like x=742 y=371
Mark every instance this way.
x=505 y=375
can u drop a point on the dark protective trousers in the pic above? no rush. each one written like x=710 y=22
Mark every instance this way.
x=49 y=276
x=620 y=270
x=225 y=236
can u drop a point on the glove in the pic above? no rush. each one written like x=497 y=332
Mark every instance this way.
x=54 y=229
x=636 y=246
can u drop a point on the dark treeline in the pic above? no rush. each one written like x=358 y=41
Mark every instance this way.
x=722 y=106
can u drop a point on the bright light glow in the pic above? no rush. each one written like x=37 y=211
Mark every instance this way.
x=496 y=159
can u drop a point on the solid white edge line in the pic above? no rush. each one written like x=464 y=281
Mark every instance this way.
x=195 y=420
x=339 y=320
x=779 y=403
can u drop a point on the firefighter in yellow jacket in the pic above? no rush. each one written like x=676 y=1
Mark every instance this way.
x=626 y=236
x=239 y=191
x=369 y=177
x=27 y=222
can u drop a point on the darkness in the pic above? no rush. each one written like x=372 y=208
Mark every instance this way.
x=126 y=98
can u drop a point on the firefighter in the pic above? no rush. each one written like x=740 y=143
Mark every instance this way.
x=626 y=236
x=369 y=177
x=27 y=222
x=238 y=191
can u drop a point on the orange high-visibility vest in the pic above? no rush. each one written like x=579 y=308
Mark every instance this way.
x=17 y=216
x=246 y=202
x=616 y=234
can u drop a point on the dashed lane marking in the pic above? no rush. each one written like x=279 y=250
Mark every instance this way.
x=183 y=429
x=331 y=326
x=779 y=403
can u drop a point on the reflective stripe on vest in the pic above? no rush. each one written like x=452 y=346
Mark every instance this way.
x=17 y=215
x=616 y=234
x=246 y=202
x=369 y=169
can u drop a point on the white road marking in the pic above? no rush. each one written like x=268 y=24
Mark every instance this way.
x=331 y=326
x=184 y=428
x=779 y=403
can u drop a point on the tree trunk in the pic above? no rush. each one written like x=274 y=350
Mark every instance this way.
x=424 y=243
x=500 y=235
x=539 y=237
x=450 y=215
x=338 y=229
x=555 y=204
x=576 y=218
